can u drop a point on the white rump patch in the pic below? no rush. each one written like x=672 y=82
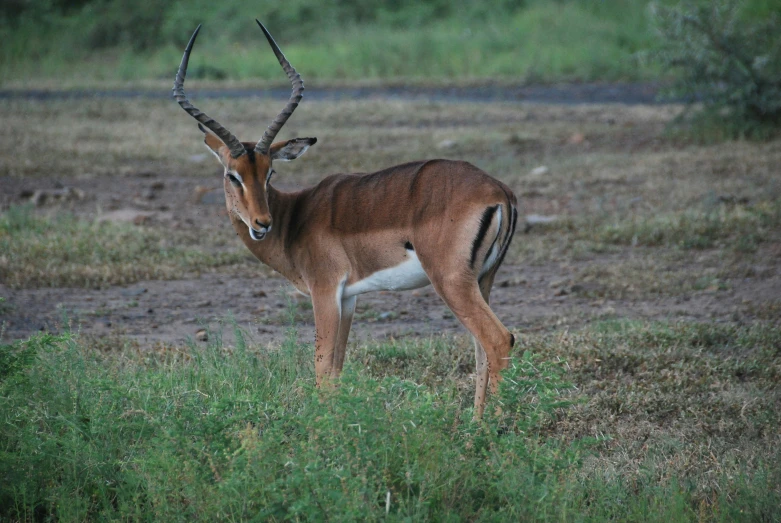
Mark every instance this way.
x=407 y=275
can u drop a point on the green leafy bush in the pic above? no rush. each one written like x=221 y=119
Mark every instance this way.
x=729 y=58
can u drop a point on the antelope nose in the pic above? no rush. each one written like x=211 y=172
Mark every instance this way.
x=263 y=226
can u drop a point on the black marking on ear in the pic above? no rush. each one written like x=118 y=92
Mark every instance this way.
x=512 y=340
x=485 y=222
x=408 y=246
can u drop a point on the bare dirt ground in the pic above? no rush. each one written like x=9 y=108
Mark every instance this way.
x=171 y=312
x=606 y=156
x=526 y=297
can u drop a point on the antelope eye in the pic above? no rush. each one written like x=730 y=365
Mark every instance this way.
x=235 y=181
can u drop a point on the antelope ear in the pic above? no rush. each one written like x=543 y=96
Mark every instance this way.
x=213 y=143
x=291 y=149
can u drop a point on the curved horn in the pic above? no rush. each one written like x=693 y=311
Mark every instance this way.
x=263 y=145
x=222 y=133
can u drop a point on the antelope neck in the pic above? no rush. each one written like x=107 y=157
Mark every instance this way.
x=275 y=249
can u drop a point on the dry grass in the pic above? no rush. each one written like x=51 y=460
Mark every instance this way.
x=63 y=251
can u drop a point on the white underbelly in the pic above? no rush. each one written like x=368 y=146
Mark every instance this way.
x=407 y=275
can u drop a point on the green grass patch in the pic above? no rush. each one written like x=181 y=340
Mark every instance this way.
x=743 y=227
x=62 y=250
x=240 y=432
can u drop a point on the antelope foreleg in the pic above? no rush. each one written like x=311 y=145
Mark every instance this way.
x=346 y=321
x=327 y=319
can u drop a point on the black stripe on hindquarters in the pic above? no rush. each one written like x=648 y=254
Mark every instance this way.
x=485 y=222
x=509 y=238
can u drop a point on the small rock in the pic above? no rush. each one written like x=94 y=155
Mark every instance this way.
x=512 y=282
x=210 y=195
x=558 y=283
x=259 y=294
x=65 y=194
x=577 y=138
x=608 y=311
x=134 y=216
x=538 y=219
x=124 y=216
x=202 y=335
x=385 y=315
x=141 y=219
x=130 y=293
x=539 y=171
x=205 y=303
x=198 y=158
x=588 y=289
x=447 y=144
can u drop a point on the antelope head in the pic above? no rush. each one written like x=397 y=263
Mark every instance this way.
x=248 y=166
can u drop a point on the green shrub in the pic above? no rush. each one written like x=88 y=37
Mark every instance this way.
x=727 y=57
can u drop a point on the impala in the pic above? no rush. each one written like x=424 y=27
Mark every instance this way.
x=441 y=222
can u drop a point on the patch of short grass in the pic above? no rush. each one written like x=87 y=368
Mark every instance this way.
x=62 y=250
x=647 y=274
x=743 y=226
x=694 y=401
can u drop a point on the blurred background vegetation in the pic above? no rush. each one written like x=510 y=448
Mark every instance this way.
x=116 y=41
x=725 y=53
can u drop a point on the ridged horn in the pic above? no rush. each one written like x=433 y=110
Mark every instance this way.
x=263 y=145
x=235 y=146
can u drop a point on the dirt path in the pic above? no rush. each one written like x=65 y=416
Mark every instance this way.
x=171 y=312
x=565 y=94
